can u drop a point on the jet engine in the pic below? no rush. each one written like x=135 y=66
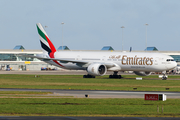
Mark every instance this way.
x=97 y=69
x=142 y=73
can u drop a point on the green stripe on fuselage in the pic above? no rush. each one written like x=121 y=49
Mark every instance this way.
x=41 y=34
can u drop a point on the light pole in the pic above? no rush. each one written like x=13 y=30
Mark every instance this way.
x=62 y=34
x=146 y=35
x=45 y=27
x=122 y=36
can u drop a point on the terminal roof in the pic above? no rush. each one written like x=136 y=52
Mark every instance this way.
x=63 y=48
x=107 y=48
x=151 y=49
x=19 y=47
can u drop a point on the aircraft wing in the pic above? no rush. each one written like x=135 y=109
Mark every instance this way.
x=108 y=65
x=48 y=59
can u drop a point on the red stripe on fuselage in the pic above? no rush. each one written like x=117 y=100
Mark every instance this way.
x=53 y=50
x=58 y=63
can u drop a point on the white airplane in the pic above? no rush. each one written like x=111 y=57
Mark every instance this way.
x=98 y=63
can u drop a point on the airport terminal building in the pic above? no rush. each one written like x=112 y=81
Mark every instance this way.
x=9 y=59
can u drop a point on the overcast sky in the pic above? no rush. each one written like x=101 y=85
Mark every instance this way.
x=91 y=24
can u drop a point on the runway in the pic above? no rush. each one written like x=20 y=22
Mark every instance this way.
x=50 y=72
x=55 y=72
x=96 y=93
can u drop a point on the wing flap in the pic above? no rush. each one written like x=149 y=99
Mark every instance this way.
x=58 y=59
x=80 y=62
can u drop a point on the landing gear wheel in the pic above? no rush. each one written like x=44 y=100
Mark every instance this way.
x=84 y=76
x=164 y=78
x=110 y=76
x=88 y=76
x=119 y=76
x=115 y=75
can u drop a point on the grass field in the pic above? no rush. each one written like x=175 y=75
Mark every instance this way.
x=88 y=107
x=14 y=103
x=128 y=82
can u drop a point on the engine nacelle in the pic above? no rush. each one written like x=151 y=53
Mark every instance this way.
x=97 y=69
x=142 y=73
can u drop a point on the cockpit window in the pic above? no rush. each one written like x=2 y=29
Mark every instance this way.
x=170 y=60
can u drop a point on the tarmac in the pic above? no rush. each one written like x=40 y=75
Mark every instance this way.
x=49 y=72
x=55 y=72
x=93 y=93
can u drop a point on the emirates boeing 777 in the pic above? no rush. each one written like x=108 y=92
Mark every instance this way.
x=98 y=63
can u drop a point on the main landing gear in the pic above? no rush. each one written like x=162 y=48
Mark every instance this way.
x=115 y=75
x=88 y=76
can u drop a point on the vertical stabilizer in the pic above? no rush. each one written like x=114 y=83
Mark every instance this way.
x=46 y=44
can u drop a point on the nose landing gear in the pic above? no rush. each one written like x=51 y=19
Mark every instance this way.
x=164 y=77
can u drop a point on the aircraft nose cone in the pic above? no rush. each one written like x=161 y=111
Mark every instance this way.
x=174 y=64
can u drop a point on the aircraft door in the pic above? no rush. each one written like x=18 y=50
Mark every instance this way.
x=104 y=58
x=156 y=61
x=22 y=67
x=78 y=57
